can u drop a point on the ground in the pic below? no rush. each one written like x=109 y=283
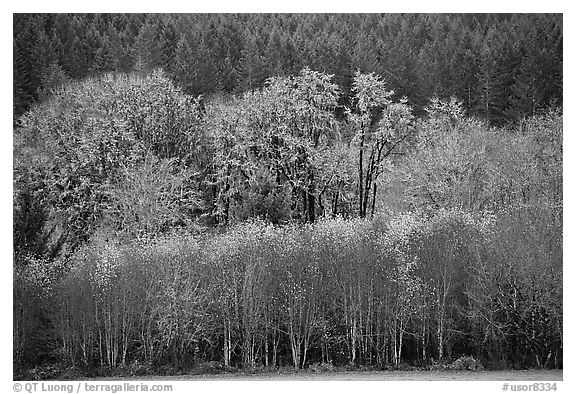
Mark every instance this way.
x=527 y=375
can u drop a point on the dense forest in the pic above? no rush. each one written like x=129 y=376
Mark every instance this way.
x=262 y=191
x=501 y=67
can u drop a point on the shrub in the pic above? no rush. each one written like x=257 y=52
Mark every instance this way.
x=468 y=363
x=321 y=367
x=209 y=367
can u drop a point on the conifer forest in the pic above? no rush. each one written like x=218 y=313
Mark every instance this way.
x=286 y=191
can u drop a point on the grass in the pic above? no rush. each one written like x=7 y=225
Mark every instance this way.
x=507 y=375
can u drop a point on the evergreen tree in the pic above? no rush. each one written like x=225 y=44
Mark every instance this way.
x=184 y=72
x=513 y=63
x=536 y=76
x=490 y=81
x=251 y=70
x=77 y=64
x=206 y=70
x=227 y=75
x=273 y=54
x=148 y=47
x=53 y=78
x=464 y=70
x=95 y=53
x=168 y=44
x=44 y=53
x=104 y=58
x=22 y=95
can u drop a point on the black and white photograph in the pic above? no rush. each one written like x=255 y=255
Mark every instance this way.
x=286 y=197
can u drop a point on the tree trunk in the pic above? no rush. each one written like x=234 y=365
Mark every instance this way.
x=374 y=199
x=361 y=174
x=227 y=344
x=353 y=342
x=266 y=348
x=400 y=342
x=275 y=341
x=423 y=340
x=441 y=338
x=311 y=197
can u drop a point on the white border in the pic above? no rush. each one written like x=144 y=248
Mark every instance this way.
x=292 y=6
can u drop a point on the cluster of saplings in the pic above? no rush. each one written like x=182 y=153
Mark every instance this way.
x=411 y=289
x=279 y=229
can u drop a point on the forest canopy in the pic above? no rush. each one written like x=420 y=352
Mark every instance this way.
x=272 y=190
x=500 y=66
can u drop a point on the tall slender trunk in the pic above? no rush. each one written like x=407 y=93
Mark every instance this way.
x=295 y=352
x=304 y=353
x=266 y=354
x=227 y=344
x=335 y=200
x=361 y=173
x=275 y=342
x=394 y=350
x=353 y=341
x=441 y=336
x=311 y=197
x=373 y=199
x=294 y=344
x=368 y=183
x=400 y=341
x=423 y=338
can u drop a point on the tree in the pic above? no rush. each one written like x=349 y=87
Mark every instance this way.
x=462 y=163
x=22 y=95
x=150 y=198
x=110 y=124
x=280 y=131
x=251 y=68
x=374 y=146
x=148 y=47
x=514 y=293
x=445 y=257
x=491 y=78
x=499 y=66
x=168 y=44
x=53 y=78
x=103 y=57
x=409 y=292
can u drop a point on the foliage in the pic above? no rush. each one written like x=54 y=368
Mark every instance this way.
x=34 y=284
x=151 y=197
x=374 y=146
x=464 y=163
x=415 y=289
x=353 y=217
x=81 y=145
x=467 y=363
x=269 y=142
x=501 y=67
